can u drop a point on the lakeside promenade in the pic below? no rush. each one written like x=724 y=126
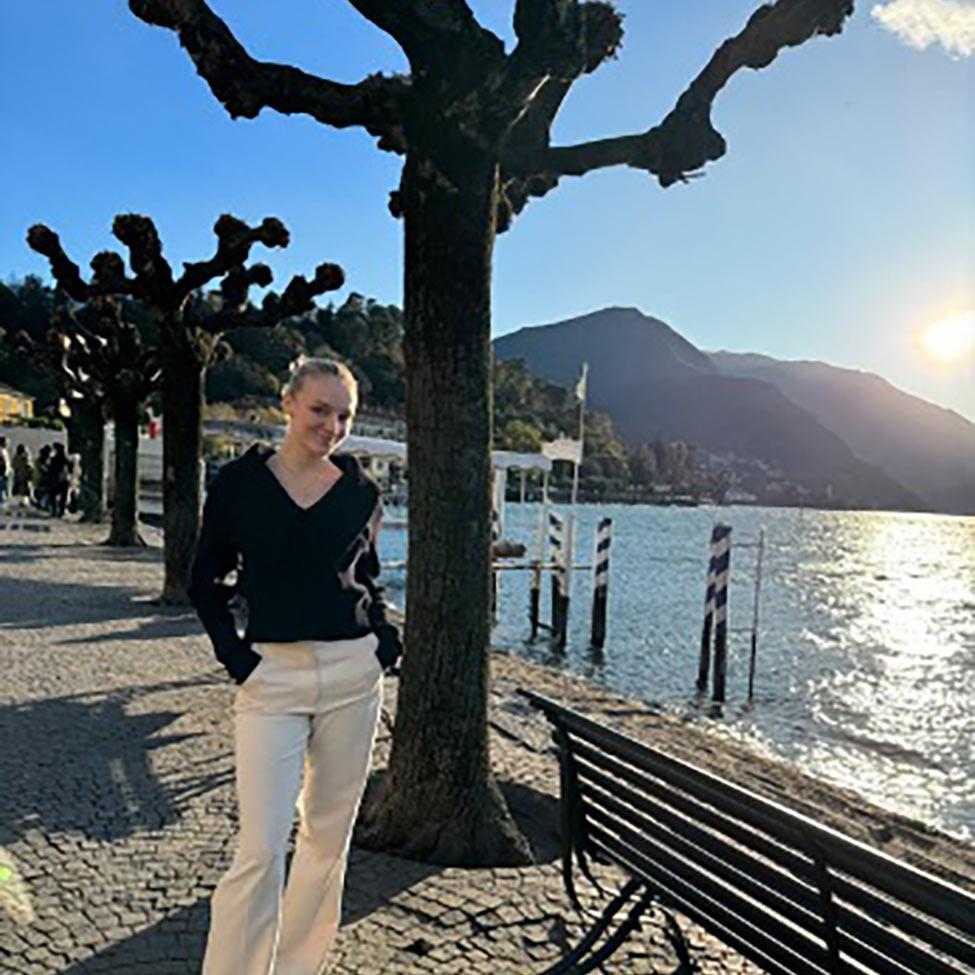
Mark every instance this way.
x=117 y=810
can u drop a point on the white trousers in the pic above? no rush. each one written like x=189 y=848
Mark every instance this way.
x=304 y=723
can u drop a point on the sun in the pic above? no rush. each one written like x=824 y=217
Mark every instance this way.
x=950 y=339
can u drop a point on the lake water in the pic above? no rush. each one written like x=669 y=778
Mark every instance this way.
x=866 y=645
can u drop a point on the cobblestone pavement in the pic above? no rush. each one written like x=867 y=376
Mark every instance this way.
x=117 y=809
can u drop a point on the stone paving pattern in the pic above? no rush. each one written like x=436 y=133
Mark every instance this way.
x=117 y=809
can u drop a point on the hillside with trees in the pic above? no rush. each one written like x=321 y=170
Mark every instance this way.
x=528 y=409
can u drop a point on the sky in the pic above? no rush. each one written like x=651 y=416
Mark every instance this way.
x=839 y=226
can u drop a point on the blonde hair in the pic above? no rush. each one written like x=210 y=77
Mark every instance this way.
x=304 y=366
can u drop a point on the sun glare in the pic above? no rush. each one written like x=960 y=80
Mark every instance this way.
x=950 y=339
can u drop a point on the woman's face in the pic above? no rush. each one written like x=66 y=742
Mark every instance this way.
x=320 y=414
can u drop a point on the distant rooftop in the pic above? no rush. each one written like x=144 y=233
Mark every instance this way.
x=10 y=391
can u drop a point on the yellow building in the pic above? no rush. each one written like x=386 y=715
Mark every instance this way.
x=14 y=405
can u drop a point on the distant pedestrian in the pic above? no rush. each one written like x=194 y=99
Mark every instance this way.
x=23 y=473
x=42 y=479
x=5 y=470
x=74 y=484
x=59 y=475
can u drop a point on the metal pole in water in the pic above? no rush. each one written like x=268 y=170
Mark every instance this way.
x=759 y=558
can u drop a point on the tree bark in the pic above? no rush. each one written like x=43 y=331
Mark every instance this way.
x=87 y=430
x=125 y=508
x=182 y=432
x=439 y=801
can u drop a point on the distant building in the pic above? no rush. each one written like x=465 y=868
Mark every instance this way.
x=14 y=405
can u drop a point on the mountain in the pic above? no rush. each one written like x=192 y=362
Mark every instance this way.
x=927 y=448
x=653 y=382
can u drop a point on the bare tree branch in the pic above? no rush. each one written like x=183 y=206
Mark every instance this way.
x=559 y=40
x=433 y=33
x=299 y=296
x=245 y=85
x=67 y=274
x=686 y=140
x=235 y=241
x=153 y=275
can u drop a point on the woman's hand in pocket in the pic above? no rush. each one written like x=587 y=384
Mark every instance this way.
x=390 y=647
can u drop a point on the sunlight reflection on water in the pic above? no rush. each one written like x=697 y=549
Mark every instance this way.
x=866 y=661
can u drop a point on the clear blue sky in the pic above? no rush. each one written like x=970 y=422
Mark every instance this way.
x=840 y=222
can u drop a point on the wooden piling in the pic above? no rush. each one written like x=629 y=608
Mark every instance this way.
x=535 y=598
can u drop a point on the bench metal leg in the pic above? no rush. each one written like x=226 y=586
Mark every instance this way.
x=583 y=958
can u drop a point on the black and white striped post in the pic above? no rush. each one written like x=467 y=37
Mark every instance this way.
x=560 y=596
x=704 y=664
x=722 y=570
x=535 y=591
x=717 y=582
x=600 y=591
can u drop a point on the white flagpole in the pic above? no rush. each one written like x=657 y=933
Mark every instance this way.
x=571 y=534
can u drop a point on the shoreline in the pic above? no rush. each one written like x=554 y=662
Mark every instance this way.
x=839 y=808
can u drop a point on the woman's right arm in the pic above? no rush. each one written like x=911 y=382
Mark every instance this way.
x=216 y=556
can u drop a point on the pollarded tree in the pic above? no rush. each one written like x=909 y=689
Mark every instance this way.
x=104 y=353
x=30 y=354
x=100 y=365
x=190 y=333
x=473 y=122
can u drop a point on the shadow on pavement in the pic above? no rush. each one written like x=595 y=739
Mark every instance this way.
x=80 y=764
x=37 y=603
x=176 y=623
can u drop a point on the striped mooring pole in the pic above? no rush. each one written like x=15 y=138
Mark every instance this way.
x=716 y=613
x=560 y=597
x=722 y=569
x=604 y=536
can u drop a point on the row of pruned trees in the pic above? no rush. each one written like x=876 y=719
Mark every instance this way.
x=474 y=123
x=100 y=362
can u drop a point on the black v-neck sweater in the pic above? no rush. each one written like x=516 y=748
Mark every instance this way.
x=302 y=573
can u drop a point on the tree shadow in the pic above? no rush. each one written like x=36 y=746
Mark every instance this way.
x=20 y=554
x=40 y=603
x=178 y=622
x=88 y=771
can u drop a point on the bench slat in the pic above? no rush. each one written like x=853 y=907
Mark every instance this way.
x=757 y=812
x=744 y=935
x=851 y=894
x=798 y=938
x=889 y=953
x=936 y=897
x=781 y=892
x=797 y=864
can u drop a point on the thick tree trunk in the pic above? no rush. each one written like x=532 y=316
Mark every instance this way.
x=439 y=801
x=125 y=508
x=182 y=388
x=87 y=433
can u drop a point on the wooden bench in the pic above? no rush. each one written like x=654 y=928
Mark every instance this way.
x=791 y=895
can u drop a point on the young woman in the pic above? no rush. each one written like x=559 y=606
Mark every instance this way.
x=299 y=527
